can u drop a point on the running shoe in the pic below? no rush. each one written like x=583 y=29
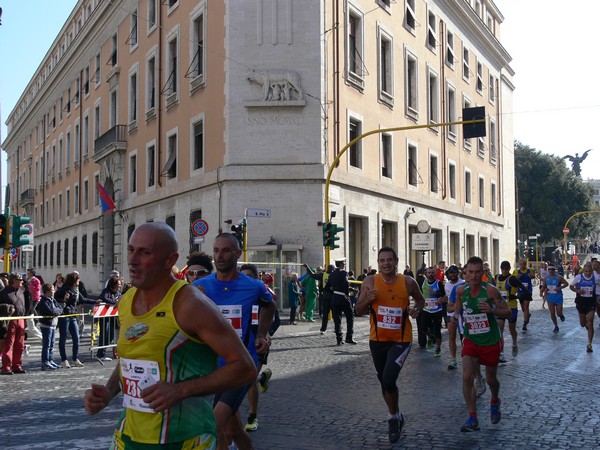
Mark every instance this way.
x=438 y=352
x=27 y=349
x=502 y=359
x=515 y=350
x=480 y=386
x=472 y=424
x=53 y=364
x=495 y=414
x=555 y=329
x=77 y=363
x=263 y=382
x=452 y=364
x=589 y=348
x=562 y=318
x=251 y=425
x=430 y=343
x=395 y=428
x=524 y=327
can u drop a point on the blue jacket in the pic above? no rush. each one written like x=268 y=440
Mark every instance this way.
x=48 y=306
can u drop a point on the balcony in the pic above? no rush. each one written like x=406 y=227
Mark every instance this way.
x=27 y=198
x=114 y=140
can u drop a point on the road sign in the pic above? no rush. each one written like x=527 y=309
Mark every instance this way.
x=27 y=248
x=565 y=231
x=200 y=227
x=264 y=213
x=14 y=252
x=533 y=238
x=198 y=239
x=423 y=241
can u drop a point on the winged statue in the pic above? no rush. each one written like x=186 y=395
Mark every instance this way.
x=576 y=161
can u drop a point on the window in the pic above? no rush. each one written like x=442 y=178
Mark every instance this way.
x=133 y=26
x=493 y=153
x=411 y=88
x=170 y=220
x=61 y=157
x=466 y=72
x=97 y=119
x=113 y=55
x=76 y=146
x=467 y=187
x=432 y=32
x=172 y=64
x=479 y=85
x=132 y=98
x=86 y=137
x=151 y=7
x=433 y=97
x=451 y=112
x=53 y=169
x=386 y=155
x=386 y=64
x=434 y=180
x=198 y=145
x=354 y=45
x=493 y=196
x=481 y=147
x=413 y=174
x=68 y=150
x=74 y=251
x=466 y=142
x=355 y=130
x=481 y=192
x=450 y=57
x=150 y=164
x=60 y=206
x=84 y=249
x=76 y=200
x=97 y=74
x=410 y=17
x=452 y=180
x=46 y=254
x=150 y=83
x=133 y=173
x=196 y=69
x=171 y=166
x=95 y=189
x=86 y=80
x=58 y=252
x=95 y=247
x=68 y=204
x=66 y=253
x=492 y=89
x=86 y=194
x=113 y=110
x=173 y=3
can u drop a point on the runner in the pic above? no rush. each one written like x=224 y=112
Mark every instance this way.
x=584 y=285
x=542 y=274
x=429 y=321
x=169 y=334
x=552 y=286
x=509 y=285
x=453 y=326
x=386 y=296
x=525 y=276
x=482 y=303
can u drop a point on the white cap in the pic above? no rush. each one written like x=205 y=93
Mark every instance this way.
x=340 y=260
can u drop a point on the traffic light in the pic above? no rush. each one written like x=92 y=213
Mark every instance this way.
x=18 y=230
x=471 y=130
x=3 y=231
x=239 y=231
x=532 y=253
x=335 y=229
x=326 y=233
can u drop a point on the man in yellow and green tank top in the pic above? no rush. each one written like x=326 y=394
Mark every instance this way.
x=481 y=304
x=170 y=336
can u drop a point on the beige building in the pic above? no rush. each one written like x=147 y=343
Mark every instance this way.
x=189 y=110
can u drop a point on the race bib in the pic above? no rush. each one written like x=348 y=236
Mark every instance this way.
x=431 y=303
x=477 y=323
x=552 y=289
x=254 y=314
x=388 y=317
x=587 y=291
x=504 y=294
x=233 y=314
x=138 y=375
x=526 y=285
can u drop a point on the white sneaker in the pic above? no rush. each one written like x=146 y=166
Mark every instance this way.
x=105 y=358
x=65 y=364
x=77 y=363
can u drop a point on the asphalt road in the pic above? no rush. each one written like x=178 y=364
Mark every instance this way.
x=323 y=396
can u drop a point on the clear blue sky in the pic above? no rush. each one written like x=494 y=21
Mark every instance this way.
x=28 y=30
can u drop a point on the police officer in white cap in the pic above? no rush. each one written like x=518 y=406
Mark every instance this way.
x=338 y=283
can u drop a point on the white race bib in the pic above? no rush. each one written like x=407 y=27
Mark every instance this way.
x=233 y=314
x=477 y=323
x=137 y=375
x=389 y=317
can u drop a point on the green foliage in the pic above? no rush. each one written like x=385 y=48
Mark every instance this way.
x=550 y=193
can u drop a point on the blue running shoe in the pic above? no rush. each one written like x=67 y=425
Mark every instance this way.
x=495 y=414
x=472 y=424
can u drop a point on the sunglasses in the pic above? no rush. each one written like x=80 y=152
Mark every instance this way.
x=196 y=273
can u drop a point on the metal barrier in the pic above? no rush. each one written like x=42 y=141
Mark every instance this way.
x=103 y=336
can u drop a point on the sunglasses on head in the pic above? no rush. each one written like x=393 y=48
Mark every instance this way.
x=195 y=273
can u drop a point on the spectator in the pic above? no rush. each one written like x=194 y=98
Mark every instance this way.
x=3 y=280
x=34 y=286
x=14 y=342
x=59 y=281
x=199 y=265
x=49 y=308
x=293 y=297
x=408 y=272
x=110 y=295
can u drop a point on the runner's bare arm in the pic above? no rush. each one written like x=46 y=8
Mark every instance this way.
x=366 y=296
x=198 y=316
x=413 y=290
x=501 y=309
x=458 y=302
x=99 y=396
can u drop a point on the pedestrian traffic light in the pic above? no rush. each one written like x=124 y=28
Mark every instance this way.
x=335 y=229
x=477 y=129
x=3 y=231
x=326 y=233
x=19 y=230
x=239 y=231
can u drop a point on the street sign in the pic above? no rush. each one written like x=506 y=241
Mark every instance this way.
x=423 y=241
x=200 y=227
x=198 y=239
x=565 y=231
x=533 y=238
x=27 y=248
x=14 y=252
x=264 y=213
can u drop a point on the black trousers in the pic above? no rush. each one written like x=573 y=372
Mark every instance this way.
x=342 y=305
x=326 y=304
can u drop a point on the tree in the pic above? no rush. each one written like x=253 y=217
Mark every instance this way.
x=549 y=194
